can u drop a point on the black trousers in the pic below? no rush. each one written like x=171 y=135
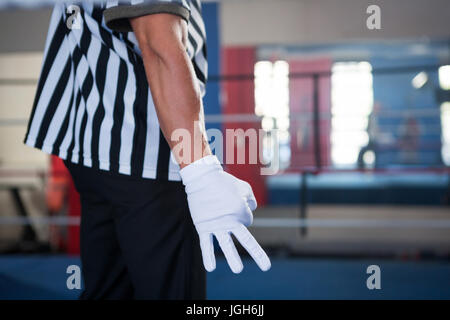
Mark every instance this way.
x=137 y=238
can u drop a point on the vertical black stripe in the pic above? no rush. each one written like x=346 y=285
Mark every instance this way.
x=162 y=171
x=86 y=88
x=118 y=117
x=129 y=44
x=205 y=51
x=100 y=77
x=140 y=118
x=193 y=42
x=197 y=27
x=85 y=91
x=197 y=5
x=64 y=126
x=198 y=72
x=200 y=75
x=72 y=142
x=53 y=104
x=78 y=53
x=100 y=80
x=106 y=36
x=54 y=47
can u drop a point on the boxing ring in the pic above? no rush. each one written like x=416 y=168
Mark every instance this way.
x=15 y=180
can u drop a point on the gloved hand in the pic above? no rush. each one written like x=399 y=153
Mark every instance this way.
x=221 y=204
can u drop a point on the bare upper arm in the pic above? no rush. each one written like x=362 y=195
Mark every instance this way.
x=162 y=32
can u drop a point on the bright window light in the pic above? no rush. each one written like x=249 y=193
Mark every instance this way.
x=272 y=103
x=419 y=80
x=369 y=158
x=444 y=77
x=445 y=122
x=352 y=103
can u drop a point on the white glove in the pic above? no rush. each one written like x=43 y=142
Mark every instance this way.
x=221 y=204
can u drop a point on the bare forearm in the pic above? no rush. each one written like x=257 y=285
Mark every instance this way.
x=177 y=97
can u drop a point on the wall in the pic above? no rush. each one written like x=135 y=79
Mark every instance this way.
x=23 y=30
x=250 y=22
x=16 y=99
x=323 y=21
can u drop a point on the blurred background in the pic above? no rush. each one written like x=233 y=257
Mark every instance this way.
x=363 y=122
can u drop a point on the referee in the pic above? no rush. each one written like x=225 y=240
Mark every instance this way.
x=118 y=78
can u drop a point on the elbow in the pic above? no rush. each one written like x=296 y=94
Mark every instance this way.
x=165 y=48
x=167 y=53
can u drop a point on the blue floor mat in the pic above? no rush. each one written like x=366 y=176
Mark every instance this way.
x=44 y=277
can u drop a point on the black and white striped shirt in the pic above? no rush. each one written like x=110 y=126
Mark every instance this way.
x=93 y=105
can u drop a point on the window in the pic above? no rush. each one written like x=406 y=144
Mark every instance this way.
x=444 y=82
x=272 y=104
x=445 y=122
x=444 y=77
x=352 y=103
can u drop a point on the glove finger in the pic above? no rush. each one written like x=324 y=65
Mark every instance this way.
x=252 y=246
x=229 y=250
x=207 y=247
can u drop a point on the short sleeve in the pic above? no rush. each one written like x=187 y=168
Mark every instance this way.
x=117 y=13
